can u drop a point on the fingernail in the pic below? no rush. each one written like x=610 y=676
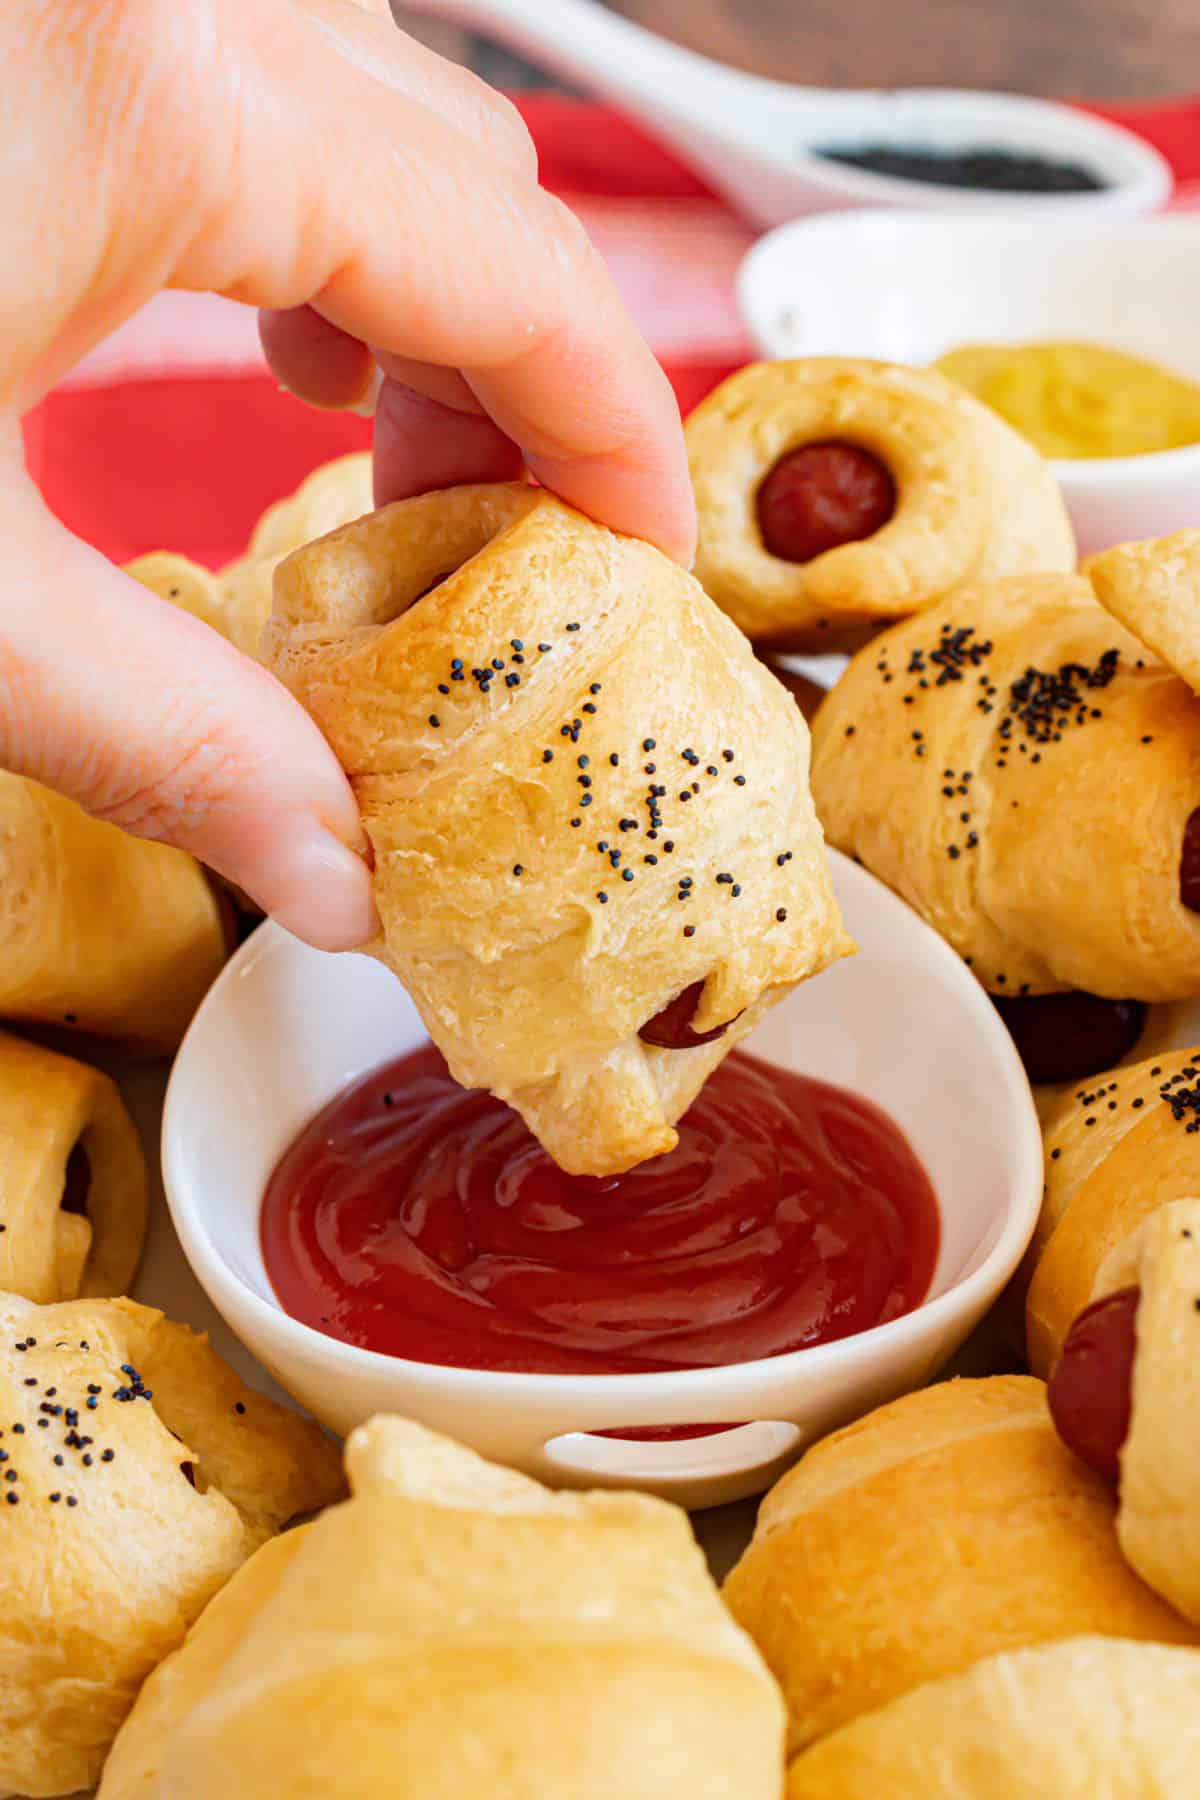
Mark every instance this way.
x=322 y=892
x=365 y=407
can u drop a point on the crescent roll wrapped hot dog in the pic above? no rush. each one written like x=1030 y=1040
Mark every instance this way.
x=72 y=1178
x=587 y=801
x=1125 y=1395
x=1025 y=773
x=236 y=600
x=948 y=1526
x=455 y=1629
x=1117 y=1147
x=100 y=932
x=1088 y=1717
x=136 y=1474
x=835 y=495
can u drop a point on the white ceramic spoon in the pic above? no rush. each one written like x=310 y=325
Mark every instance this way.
x=754 y=138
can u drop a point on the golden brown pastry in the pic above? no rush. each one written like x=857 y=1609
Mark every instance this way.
x=137 y=1473
x=835 y=495
x=456 y=1629
x=1024 y=772
x=584 y=796
x=100 y=932
x=1154 y=589
x=1077 y=1720
x=72 y=1178
x=236 y=600
x=948 y=1526
x=1117 y=1147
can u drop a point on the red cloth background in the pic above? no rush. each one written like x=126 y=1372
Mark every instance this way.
x=189 y=463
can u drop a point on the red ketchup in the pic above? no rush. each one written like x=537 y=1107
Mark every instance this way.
x=421 y=1219
x=1091 y=1387
x=820 y=496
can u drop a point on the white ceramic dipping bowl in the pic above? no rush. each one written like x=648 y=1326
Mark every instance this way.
x=903 y=1022
x=907 y=286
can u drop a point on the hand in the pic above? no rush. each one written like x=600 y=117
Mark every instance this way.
x=306 y=158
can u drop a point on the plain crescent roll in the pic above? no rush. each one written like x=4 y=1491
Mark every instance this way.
x=457 y=1630
x=987 y=758
x=136 y=1473
x=100 y=932
x=1117 y=1147
x=948 y=1526
x=583 y=795
x=72 y=1178
x=1077 y=1720
x=972 y=499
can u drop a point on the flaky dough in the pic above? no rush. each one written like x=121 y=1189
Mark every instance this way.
x=457 y=1630
x=109 y=1549
x=974 y=500
x=1021 y=770
x=1117 y=1147
x=1091 y=1718
x=945 y=1527
x=582 y=792
x=52 y=1107
x=100 y=932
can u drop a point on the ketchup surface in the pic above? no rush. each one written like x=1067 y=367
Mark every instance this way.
x=423 y=1220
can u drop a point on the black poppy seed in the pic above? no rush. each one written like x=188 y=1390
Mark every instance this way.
x=1054 y=1155
x=108 y=1455
x=626 y=874
x=585 y=800
x=689 y=931
x=547 y=756
x=850 y=731
x=589 y=706
x=18 y=1430
x=564 y=731
x=594 y=688
x=780 y=914
x=55 y=1498
x=728 y=755
x=602 y=846
x=1091 y=1120
x=576 y=823
x=1147 y=740
x=544 y=648
x=71 y=1500
x=31 y=1381
x=512 y=681
x=685 y=794
x=518 y=868
x=435 y=721
x=614 y=760
x=652 y=860
x=10 y=1475
x=1136 y=1104
x=627 y=824
x=585 y=781
x=1156 y=1071
x=518 y=658
x=736 y=889
x=739 y=781
x=614 y=857
x=1002 y=981
x=58 y=1462
x=574 y=626
x=3 y=1456
x=497 y=663
x=602 y=897
x=669 y=846
x=649 y=743
x=11 y=1498
x=86 y=1461
x=653 y=836
x=443 y=688
x=953 y=852
x=1112 y=1106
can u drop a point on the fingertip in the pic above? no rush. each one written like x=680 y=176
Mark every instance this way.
x=320 y=891
x=315 y=360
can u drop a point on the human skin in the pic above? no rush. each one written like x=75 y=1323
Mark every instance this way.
x=306 y=158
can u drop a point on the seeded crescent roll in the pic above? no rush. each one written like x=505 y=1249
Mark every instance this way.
x=1022 y=770
x=947 y=1526
x=72 y=1178
x=583 y=794
x=137 y=1473
x=973 y=501
x=456 y=1629
x=1117 y=1147
x=100 y=932
x=1076 y=1720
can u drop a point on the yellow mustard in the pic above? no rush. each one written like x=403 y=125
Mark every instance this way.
x=1080 y=400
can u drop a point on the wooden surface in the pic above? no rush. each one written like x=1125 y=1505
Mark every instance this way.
x=1097 y=48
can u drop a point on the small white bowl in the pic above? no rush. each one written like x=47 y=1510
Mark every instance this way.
x=904 y=1023
x=907 y=286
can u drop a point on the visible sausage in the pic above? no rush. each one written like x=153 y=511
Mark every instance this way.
x=671 y=1029
x=820 y=496
x=1091 y=1388
x=1067 y=1037
x=1189 y=864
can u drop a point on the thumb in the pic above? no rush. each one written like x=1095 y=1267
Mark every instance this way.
x=151 y=720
